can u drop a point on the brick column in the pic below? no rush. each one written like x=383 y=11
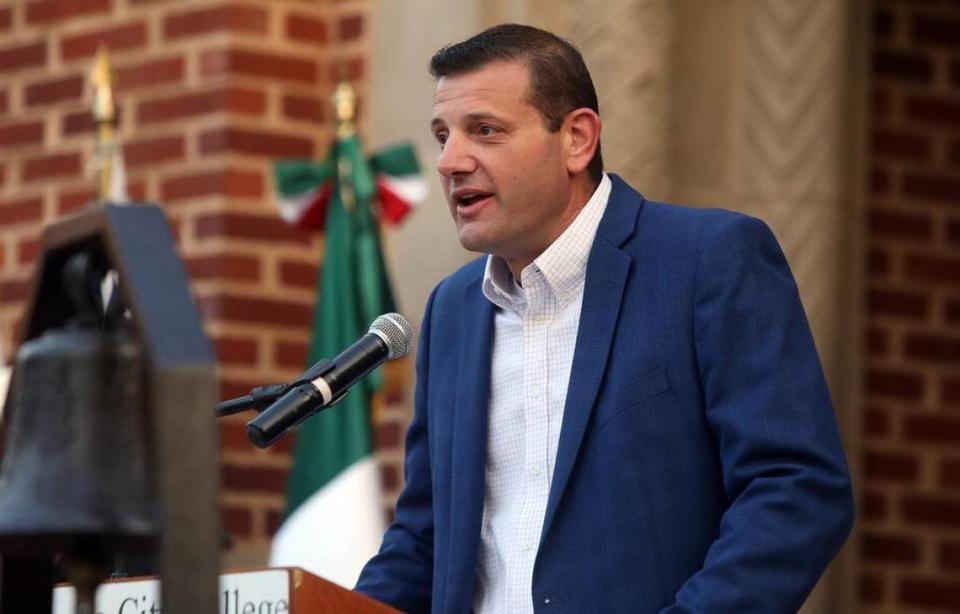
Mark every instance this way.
x=910 y=509
x=209 y=94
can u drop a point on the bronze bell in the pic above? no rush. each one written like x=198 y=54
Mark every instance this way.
x=76 y=462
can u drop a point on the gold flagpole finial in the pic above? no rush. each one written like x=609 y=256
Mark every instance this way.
x=345 y=106
x=102 y=79
x=105 y=115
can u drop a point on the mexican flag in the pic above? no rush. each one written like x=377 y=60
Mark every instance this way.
x=334 y=518
x=305 y=187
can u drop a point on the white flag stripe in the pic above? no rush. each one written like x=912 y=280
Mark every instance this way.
x=336 y=531
x=411 y=188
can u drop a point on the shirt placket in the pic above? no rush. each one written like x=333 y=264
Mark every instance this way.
x=536 y=365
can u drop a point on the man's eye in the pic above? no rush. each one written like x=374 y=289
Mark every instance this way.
x=440 y=137
x=485 y=130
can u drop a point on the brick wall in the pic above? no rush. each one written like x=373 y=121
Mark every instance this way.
x=910 y=499
x=208 y=95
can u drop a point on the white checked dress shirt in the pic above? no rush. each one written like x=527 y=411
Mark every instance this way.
x=534 y=335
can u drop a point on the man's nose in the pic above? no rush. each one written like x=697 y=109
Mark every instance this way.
x=455 y=157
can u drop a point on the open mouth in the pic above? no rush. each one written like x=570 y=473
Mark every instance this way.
x=468 y=199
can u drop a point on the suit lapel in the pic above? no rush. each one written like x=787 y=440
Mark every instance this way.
x=607 y=271
x=469 y=446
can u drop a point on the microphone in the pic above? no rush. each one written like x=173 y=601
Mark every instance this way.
x=390 y=336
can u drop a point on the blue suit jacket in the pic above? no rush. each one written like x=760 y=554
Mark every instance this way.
x=699 y=467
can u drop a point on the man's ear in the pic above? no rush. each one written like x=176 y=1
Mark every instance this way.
x=582 y=130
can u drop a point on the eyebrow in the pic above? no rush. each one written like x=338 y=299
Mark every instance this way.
x=470 y=117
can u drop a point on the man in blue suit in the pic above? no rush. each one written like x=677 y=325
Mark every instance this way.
x=619 y=408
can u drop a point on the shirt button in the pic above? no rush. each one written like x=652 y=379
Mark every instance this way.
x=535 y=471
x=527 y=547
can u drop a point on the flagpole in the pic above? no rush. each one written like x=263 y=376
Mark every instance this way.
x=105 y=116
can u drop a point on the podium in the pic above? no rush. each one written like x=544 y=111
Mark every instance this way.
x=280 y=590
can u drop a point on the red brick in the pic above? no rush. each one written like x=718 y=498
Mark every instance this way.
x=54 y=90
x=236 y=350
x=390 y=478
x=949 y=555
x=939 y=30
x=306 y=108
x=878 y=262
x=871 y=588
x=890 y=466
x=6 y=18
x=298 y=274
x=934 y=111
x=20 y=210
x=882 y=24
x=224 y=266
x=879 y=181
x=950 y=473
x=46 y=11
x=306 y=29
x=233 y=435
x=247 y=226
x=258 y=64
x=22 y=133
x=74 y=199
x=4 y=101
x=876 y=422
x=873 y=505
x=893 y=383
x=14 y=291
x=933 y=187
x=953 y=231
x=952 y=310
x=252 y=310
x=388 y=435
x=290 y=354
x=274 y=518
x=932 y=348
x=21 y=55
x=145 y=74
x=231 y=388
x=880 y=102
x=902 y=65
x=350 y=27
x=236 y=183
x=150 y=151
x=233 y=99
x=950 y=390
x=349 y=69
x=877 y=547
x=932 y=429
x=933 y=269
x=894 y=303
x=877 y=342
x=900 y=145
x=255 y=142
x=226 y=18
x=76 y=123
x=55 y=165
x=929 y=593
x=127 y=36
x=238 y=521
x=248 y=478
x=28 y=250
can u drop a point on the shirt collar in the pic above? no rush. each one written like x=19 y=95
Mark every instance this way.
x=563 y=264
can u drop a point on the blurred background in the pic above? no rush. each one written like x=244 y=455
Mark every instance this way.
x=835 y=121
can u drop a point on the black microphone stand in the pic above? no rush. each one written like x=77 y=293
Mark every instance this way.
x=262 y=397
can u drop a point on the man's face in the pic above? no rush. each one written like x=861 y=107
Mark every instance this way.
x=503 y=173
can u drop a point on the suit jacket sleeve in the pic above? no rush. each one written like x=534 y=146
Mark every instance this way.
x=767 y=403
x=401 y=573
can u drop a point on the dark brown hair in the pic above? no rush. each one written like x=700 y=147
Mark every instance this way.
x=559 y=79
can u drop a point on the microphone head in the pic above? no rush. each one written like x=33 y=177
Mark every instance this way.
x=395 y=331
